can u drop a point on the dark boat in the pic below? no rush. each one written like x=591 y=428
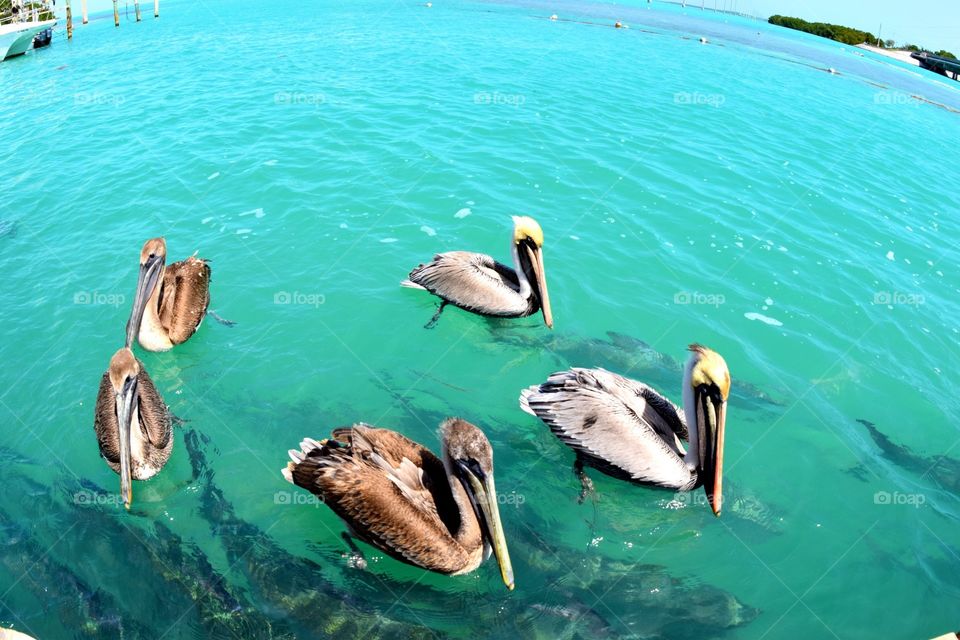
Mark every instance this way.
x=43 y=39
x=949 y=67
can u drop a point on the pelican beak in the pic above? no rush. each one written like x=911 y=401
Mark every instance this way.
x=536 y=259
x=150 y=273
x=126 y=402
x=484 y=495
x=713 y=420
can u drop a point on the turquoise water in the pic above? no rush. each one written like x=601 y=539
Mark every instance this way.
x=734 y=193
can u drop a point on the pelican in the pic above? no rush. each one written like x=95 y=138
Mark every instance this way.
x=396 y=495
x=478 y=283
x=171 y=300
x=132 y=423
x=629 y=431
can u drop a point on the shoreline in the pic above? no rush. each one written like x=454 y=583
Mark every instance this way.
x=896 y=54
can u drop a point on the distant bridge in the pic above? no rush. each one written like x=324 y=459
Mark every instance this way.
x=944 y=66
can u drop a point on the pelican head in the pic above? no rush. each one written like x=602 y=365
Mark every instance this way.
x=123 y=373
x=528 y=242
x=152 y=259
x=706 y=388
x=468 y=455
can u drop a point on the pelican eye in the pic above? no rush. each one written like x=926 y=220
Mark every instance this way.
x=711 y=390
x=530 y=242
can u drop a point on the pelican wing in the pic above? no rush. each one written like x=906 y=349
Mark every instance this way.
x=152 y=412
x=152 y=415
x=472 y=281
x=622 y=427
x=184 y=298
x=391 y=491
x=105 y=422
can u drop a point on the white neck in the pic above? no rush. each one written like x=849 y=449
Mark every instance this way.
x=525 y=289
x=692 y=457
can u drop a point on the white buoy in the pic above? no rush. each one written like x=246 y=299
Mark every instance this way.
x=554 y=17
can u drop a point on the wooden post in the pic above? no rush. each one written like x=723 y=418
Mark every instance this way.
x=83 y=8
x=69 y=22
x=136 y=6
x=156 y=8
x=116 y=14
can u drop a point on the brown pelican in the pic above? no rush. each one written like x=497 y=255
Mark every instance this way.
x=171 y=300
x=478 y=283
x=394 y=494
x=132 y=423
x=627 y=430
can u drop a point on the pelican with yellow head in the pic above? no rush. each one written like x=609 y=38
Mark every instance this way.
x=477 y=283
x=628 y=430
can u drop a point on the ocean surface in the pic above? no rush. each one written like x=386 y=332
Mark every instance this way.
x=736 y=193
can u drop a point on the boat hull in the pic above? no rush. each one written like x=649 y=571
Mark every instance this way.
x=16 y=38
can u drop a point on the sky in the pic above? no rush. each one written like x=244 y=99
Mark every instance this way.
x=934 y=24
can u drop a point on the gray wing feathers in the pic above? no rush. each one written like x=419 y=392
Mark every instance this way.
x=622 y=426
x=472 y=281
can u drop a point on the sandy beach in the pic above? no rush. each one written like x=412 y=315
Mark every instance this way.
x=902 y=56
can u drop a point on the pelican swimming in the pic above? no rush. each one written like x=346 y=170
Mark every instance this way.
x=478 y=283
x=396 y=495
x=132 y=423
x=629 y=431
x=171 y=300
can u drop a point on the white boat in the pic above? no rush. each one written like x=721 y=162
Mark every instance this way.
x=16 y=37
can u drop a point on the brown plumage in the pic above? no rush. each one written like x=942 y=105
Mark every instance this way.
x=171 y=300
x=399 y=497
x=184 y=298
x=150 y=434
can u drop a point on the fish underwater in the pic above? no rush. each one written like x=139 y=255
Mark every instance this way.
x=160 y=561
x=943 y=470
x=8 y=228
x=648 y=601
